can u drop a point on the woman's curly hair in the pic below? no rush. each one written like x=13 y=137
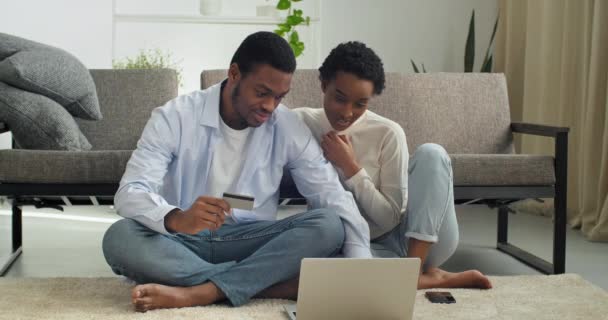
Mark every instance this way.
x=356 y=58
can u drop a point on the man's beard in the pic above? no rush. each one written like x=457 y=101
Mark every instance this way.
x=235 y=94
x=235 y=99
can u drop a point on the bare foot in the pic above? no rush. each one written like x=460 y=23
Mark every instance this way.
x=156 y=296
x=437 y=278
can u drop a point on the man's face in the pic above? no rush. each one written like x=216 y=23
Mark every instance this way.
x=346 y=98
x=257 y=94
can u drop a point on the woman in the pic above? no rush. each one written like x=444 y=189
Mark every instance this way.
x=370 y=153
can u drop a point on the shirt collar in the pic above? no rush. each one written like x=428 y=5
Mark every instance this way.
x=211 y=108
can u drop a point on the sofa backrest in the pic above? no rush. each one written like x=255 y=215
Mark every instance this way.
x=464 y=112
x=126 y=98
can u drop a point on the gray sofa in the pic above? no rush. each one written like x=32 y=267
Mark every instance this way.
x=46 y=178
x=466 y=113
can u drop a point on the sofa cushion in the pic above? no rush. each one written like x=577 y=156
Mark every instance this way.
x=127 y=98
x=51 y=72
x=502 y=170
x=485 y=170
x=38 y=122
x=43 y=166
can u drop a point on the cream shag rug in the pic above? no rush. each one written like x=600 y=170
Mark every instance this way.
x=515 y=297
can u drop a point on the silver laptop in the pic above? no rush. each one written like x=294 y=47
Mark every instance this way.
x=341 y=288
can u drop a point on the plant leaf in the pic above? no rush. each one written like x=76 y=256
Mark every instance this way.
x=495 y=28
x=423 y=68
x=300 y=48
x=297 y=47
x=469 y=52
x=284 y=4
x=487 y=67
x=485 y=60
x=414 y=66
x=294 y=37
x=285 y=27
x=294 y=20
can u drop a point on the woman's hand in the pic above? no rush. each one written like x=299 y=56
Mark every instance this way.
x=339 y=151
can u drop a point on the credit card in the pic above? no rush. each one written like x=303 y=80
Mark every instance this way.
x=239 y=201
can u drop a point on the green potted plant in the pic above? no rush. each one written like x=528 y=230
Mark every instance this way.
x=150 y=59
x=287 y=29
x=469 y=51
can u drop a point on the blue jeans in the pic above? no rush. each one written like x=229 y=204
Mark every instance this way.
x=430 y=214
x=240 y=259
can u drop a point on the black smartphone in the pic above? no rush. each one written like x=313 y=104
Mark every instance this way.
x=440 y=297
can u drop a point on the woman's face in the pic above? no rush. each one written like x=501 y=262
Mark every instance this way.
x=345 y=99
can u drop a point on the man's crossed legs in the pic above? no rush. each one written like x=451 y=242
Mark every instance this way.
x=236 y=262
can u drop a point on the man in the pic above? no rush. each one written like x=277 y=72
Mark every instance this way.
x=181 y=241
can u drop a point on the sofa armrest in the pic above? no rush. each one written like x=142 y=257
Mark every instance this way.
x=538 y=129
x=560 y=134
x=4 y=128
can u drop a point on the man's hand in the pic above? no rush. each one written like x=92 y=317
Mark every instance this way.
x=205 y=213
x=339 y=151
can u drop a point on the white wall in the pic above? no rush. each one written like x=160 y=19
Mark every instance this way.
x=199 y=46
x=83 y=28
x=430 y=31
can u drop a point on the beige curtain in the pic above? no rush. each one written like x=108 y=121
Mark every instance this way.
x=555 y=57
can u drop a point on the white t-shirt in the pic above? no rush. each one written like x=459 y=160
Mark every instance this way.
x=227 y=161
x=380 y=146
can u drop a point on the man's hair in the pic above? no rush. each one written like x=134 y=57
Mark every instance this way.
x=264 y=48
x=356 y=58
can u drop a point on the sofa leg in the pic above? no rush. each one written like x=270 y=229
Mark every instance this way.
x=503 y=245
x=560 y=203
x=559 y=240
x=17 y=237
x=503 y=224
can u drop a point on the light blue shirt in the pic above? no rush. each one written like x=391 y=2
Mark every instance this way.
x=170 y=166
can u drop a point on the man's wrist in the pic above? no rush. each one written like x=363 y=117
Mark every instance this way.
x=171 y=220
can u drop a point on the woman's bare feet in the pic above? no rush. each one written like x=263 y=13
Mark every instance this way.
x=437 y=278
x=156 y=296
